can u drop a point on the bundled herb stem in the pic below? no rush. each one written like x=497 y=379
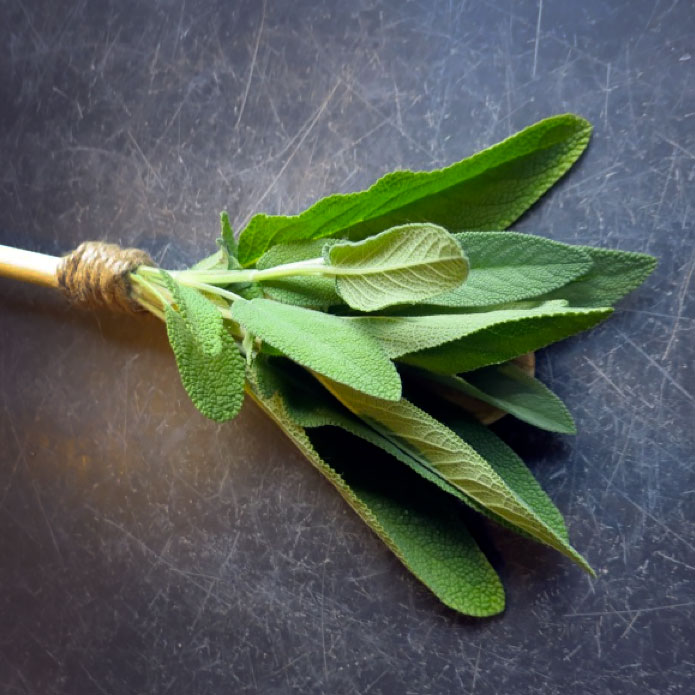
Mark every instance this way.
x=381 y=330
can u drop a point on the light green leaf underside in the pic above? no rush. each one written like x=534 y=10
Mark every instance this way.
x=612 y=275
x=327 y=344
x=309 y=405
x=227 y=235
x=200 y=316
x=312 y=291
x=409 y=263
x=422 y=527
x=489 y=190
x=209 y=362
x=510 y=266
x=496 y=335
x=511 y=389
x=445 y=453
x=502 y=340
x=507 y=465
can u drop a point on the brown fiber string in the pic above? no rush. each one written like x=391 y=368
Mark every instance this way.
x=95 y=274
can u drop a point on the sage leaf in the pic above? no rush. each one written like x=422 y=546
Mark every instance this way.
x=510 y=266
x=445 y=453
x=613 y=274
x=409 y=263
x=199 y=314
x=423 y=528
x=327 y=344
x=487 y=191
x=422 y=525
x=511 y=389
x=499 y=335
x=210 y=365
x=503 y=337
x=506 y=463
x=227 y=236
x=225 y=256
x=310 y=405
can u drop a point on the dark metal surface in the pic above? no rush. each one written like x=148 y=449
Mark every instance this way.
x=146 y=550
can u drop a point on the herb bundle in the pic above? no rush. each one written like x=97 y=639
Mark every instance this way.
x=382 y=330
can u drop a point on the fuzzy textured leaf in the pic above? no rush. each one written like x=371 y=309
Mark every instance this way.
x=409 y=263
x=510 y=266
x=309 y=405
x=506 y=464
x=489 y=190
x=211 y=367
x=612 y=275
x=445 y=453
x=421 y=527
x=502 y=338
x=499 y=334
x=511 y=389
x=200 y=316
x=327 y=344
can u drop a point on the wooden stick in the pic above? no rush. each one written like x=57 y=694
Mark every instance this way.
x=29 y=266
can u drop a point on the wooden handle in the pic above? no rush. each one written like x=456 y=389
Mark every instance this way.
x=29 y=266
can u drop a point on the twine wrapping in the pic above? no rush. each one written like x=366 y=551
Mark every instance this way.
x=96 y=274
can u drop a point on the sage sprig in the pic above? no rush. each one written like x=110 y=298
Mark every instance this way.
x=369 y=327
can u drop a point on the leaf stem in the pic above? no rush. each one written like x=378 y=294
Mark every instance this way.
x=314 y=266
x=194 y=279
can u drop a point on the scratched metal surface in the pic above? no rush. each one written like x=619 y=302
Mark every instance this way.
x=145 y=550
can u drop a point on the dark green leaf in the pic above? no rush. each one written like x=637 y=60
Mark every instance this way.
x=486 y=191
x=509 y=267
x=612 y=275
x=511 y=389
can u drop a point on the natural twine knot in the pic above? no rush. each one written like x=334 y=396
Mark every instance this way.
x=96 y=274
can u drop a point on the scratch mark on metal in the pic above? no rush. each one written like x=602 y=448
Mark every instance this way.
x=630 y=611
x=653 y=362
x=253 y=65
x=679 y=309
x=307 y=129
x=538 y=36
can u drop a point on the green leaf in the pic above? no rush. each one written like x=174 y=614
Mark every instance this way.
x=200 y=316
x=313 y=291
x=211 y=368
x=445 y=453
x=327 y=344
x=309 y=405
x=486 y=191
x=216 y=261
x=510 y=266
x=422 y=527
x=225 y=256
x=511 y=389
x=227 y=235
x=612 y=275
x=475 y=340
x=502 y=338
x=507 y=465
x=405 y=264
